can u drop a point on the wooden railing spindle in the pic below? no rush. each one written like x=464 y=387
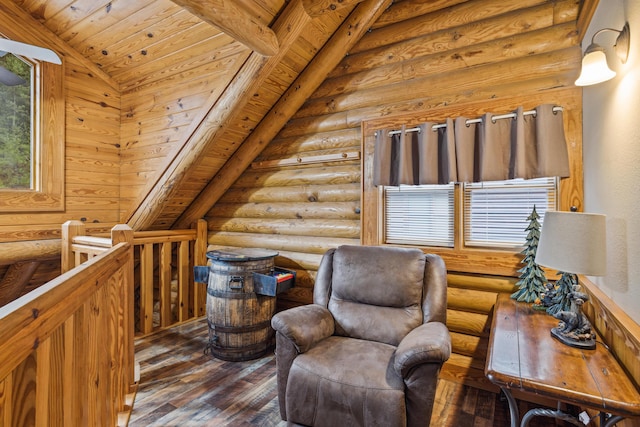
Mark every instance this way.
x=200 y=258
x=65 y=351
x=164 y=256
x=184 y=272
x=165 y=272
x=146 y=288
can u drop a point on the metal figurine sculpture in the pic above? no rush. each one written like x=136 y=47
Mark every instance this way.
x=560 y=300
x=546 y=297
x=574 y=329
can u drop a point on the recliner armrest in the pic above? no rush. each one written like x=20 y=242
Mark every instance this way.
x=428 y=343
x=305 y=325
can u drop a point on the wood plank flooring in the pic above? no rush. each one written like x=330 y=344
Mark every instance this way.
x=181 y=386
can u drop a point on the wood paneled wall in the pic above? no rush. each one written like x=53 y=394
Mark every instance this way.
x=421 y=57
x=159 y=114
x=92 y=161
x=91 y=146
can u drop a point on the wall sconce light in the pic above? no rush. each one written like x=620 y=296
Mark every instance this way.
x=594 y=63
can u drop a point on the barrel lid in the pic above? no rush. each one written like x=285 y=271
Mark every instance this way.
x=240 y=254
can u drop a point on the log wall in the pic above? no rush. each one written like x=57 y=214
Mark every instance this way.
x=418 y=58
x=447 y=56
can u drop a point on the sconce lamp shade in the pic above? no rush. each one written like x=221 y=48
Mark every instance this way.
x=594 y=63
x=573 y=242
x=594 y=67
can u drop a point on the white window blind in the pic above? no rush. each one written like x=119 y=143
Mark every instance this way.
x=422 y=215
x=495 y=213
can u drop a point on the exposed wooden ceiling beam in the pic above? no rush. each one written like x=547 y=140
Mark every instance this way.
x=234 y=21
x=351 y=30
x=19 y=251
x=229 y=106
x=587 y=10
x=319 y=7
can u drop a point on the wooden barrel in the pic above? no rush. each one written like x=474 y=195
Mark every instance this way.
x=239 y=319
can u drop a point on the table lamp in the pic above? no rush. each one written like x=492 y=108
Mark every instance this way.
x=573 y=243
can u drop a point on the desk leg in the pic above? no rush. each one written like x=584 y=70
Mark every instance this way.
x=549 y=413
x=560 y=415
x=513 y=407
x=604 y=422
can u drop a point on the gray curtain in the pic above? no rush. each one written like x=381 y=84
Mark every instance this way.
x=525 y=146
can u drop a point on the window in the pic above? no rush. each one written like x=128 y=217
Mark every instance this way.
x=35 y=150
x=16 y=117
x=419 y=215
x=494 y=213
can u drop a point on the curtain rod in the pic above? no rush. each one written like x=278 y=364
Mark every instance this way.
x=470 y=121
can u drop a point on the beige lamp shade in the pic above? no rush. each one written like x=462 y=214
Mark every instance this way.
x=573 y=242
x=594 y=63
x=594 y=68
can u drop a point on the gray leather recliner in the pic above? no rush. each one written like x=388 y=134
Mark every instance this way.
x=369 y=349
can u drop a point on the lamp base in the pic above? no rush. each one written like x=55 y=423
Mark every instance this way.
x=574 y=329
x=586 y=341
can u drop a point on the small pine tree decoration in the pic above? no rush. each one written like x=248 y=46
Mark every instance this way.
x=564 y=286
x=532 y=278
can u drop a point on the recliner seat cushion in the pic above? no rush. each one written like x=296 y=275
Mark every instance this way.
x=352 y=380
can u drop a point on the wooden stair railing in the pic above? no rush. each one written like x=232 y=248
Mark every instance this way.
x=162 y=257
x=66 y=348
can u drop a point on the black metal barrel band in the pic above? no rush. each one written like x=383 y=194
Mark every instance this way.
x=238 y=329
x=229 y=351
x=230 y=295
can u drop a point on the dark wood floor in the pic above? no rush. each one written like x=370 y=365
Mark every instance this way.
x=181 y=386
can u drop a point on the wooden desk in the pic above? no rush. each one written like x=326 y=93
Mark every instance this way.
x=523 y=356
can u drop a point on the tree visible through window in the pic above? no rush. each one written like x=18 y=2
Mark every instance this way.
x=16 y=132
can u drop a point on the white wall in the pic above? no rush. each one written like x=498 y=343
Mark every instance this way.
x=611 y=138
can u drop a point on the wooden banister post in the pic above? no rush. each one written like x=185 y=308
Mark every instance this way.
x=70 y=229
x=200 y=258
x=122 y=233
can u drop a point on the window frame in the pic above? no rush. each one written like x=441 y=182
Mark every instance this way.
x=402 y=196
x=458 y=214
x=49 y=144
x=551 y=203
x=489 y=261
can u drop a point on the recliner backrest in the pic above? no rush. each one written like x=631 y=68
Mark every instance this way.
x=374 y=292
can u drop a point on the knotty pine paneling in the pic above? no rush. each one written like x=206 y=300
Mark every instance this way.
x=91 y=166
x=91 y=160
x=158 y=117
